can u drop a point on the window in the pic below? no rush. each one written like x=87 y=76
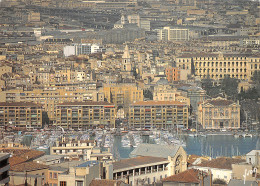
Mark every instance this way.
x=63 y=183
x=50 y=175
x=55 y=175
x=79 y=183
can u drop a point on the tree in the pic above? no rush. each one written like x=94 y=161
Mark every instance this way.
x=212 y=90
x=229 y=86
x=148 y=94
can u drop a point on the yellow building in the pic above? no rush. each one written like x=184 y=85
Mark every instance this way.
x=217 y=66
x=122 y=95
x=159 y=114
x=168 y=93
x=219 y=113
x=49 y=98
x=72 y=147
x=20 y=114
x=85 y=114
x=5 y=69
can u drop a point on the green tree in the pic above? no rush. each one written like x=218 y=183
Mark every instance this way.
x=229 y=86
x=148 y=94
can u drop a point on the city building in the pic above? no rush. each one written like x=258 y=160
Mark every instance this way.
x=81 y=174
x=81 y=49
x=72 y=147
x=122 y=95
x=188 y=177
x=143 y=168
x=217 y=66
x=165 y=92
x=195 y=94
x=220 y=168
x=50 y=97
x=158 y=114
x=219 y=113
x=172 y=74
x=82 y=115
x=173 y=34
x=4 y=169
x=49 y=159
x=20 y=114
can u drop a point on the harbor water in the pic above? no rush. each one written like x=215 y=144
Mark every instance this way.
x=212 y=145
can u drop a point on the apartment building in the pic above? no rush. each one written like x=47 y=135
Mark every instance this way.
x=20 y=114
x=172 y=74
x=50 y=97
x=159 y=114
x=122 y=95
x=173 y=34
x=4 y=168
x=83 y=48
x=72 y=147
x=217 y=66
x=150 y=163
x=82 y=115
x=219 y=113
x=168 y=93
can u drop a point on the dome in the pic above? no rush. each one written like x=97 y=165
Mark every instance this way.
x=162 y=81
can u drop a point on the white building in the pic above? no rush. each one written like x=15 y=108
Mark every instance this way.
x=173 y=34
x=220 y=168
x=81 y=49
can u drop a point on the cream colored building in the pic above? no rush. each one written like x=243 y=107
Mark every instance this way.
x=72 y=147
x=168 y=93
x=80 y=175
x=20 y=114
x=82 y=115
x=122 y=95
x=219 y=113
x=50 y=97
x=217 y=66
x=159 y=114
x=150 y=164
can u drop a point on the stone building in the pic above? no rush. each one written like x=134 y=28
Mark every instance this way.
x=219 y=113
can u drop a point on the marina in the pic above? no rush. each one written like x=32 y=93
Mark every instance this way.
x=122 y=143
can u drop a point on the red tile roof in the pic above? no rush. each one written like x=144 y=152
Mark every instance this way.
x=28 y=154
x=150 y=103
x=220 y=102
x=188 y=176
x=221 y=163
x=28 y=166
x=105 y=183
x=15 y=160
x=138 y=161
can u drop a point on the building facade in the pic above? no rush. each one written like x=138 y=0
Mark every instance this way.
x=49 y=98
x=83 y=48
x=72 y=147
x=4 y=169
x=219 y=113
x=172 y=74
x=217 y=66
x=159 y=114
x=173 y=34
x=122 y=95
x=82 y=115
x=20 y=114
